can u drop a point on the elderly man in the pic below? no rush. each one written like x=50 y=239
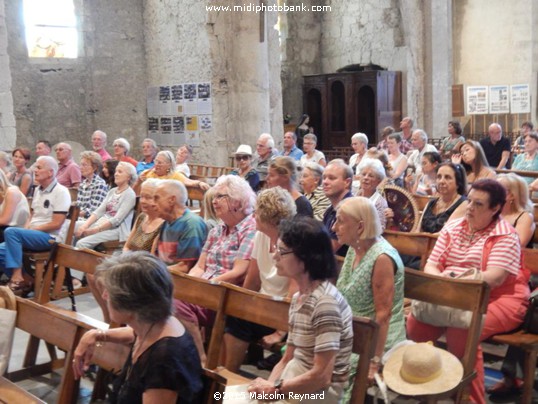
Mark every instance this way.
x=149 y=151
x=419 y=139
x=99 y=144
x=264 y=154
x=183 y=233
x=68 y=171
x=121 y=150
x=50 y=205
x=183 y=155
x=496 y=147
x=42 y=148
x=290 y=147
x=337 y=178
x=406 y=131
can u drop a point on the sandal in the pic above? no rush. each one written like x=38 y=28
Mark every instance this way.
x=21 y=288
x=505 y=387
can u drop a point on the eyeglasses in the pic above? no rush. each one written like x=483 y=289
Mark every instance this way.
x=59 y=149
x=218 y=197
x=281 y=251
x=241 y=158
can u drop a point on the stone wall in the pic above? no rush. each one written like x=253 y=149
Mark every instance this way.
x=7 y=119
x=104 y=88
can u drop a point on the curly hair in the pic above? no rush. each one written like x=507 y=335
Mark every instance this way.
x=274 y=205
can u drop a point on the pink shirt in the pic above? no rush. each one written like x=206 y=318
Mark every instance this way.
x=68 y=174
x=104 y=154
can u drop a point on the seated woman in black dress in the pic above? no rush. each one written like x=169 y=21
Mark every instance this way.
x=163 y=365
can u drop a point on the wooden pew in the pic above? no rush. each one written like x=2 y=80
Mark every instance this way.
x=460 y=294
x=416 y=244
x=11 y=393
x=527 y=342
x=365 y=332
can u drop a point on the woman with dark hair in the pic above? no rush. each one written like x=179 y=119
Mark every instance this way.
x=425 y=184
x=163 y=365
x=450 y=203
x=22 y=176
x=453 y=141
x=472 y=157
x=528 y=161
x=481 y=240
x=109 y=169
x=303 y=129
x=320 y=334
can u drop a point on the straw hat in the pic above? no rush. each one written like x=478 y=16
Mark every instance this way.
x=421 y=369
x=243 y=149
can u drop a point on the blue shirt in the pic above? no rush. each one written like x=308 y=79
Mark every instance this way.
x=142 y=166
x=295 y=153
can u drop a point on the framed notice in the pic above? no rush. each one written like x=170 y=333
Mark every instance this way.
x=477 y=100
x=520 y=99
x=499 y=101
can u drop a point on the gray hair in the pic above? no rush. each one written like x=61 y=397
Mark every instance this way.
x=153 y=144
x=361 y=137
x=130 y=169
x=239 y=191
x=123 y=143
x=373 y=164
x=348 y=172
x=423 y=135
x=5 y=157
x=94 y=158
x=102 y=134
x=269 y=138
x=138 y=283
x=176 y=189
x=51 y=164
x=168 y=155
x=311 y=136
x=315 y=169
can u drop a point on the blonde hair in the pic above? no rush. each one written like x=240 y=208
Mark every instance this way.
x=518 y=187
x=274 y=205
x=209 y=209
x=286 y=166
x=4 y=184
x=362 y=210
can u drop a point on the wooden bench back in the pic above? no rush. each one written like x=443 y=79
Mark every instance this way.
x=460 y=294
x=365 y=332
x=416 y=244
x=530 y=260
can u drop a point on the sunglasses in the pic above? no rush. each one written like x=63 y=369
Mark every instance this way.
x=240 y=158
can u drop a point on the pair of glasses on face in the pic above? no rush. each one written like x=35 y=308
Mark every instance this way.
x=218 y=197
x=282 y=251
x=242 y=158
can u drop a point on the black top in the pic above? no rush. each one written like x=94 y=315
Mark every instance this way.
x=303 y=207
x=171 y=363
x=432 y=223
x=252 y=178
x=494 y=152
x=329 y=217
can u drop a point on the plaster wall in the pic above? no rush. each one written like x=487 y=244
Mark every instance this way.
x=7 y=119
x=104 y=88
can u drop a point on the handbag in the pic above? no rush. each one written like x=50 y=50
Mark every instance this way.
x=530 y=324
x=444 y=316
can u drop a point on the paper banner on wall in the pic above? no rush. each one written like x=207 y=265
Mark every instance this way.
x=204 y=98
x=205 y=122
x=153 y=125
x=164 y=100
x=520 y=99
x=178 y=124
x=193 y=139
x=176 y=97
x=477 y=100
x=153 y=104
x=190 y=99
x=499 y=102
x=166 y=124
x=191 y=123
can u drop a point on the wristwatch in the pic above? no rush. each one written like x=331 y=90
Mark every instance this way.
x=278 y=385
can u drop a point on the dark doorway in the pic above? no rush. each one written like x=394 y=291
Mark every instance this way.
x=313 y=109
x=366 y=113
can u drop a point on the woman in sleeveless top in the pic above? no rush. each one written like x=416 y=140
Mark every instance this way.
x=14 y=209
x=427 y=179
x=21 y=176
x=397 y=159
x=472 y=157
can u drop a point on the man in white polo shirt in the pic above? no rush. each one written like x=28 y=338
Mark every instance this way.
x=50 y=205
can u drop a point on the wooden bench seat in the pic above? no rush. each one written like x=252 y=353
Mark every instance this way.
x=11 y=393
x=415 y=244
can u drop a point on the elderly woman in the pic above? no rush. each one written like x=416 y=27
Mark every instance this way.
x=311 y=155
x=320 y=327
x=14 y=209
x=113 y=218
x=227 y=252
x=485 y=241
x=148 y=224
x=283 y=173
x=22 y=176
x=5 y=162
x=273 y=206
x=243 y=160
x=472 y=156
x=453 y=141
x=397 y=159
x=121 y=149
x=93 y=189
x=372 y=276
x=313 y=191
x=372 y=174
x=528 y=161
x=165 y=169
x=162 y=366
x=359 y=143
x=183 y=155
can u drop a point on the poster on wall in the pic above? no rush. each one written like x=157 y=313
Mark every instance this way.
x=166 y=124
x=190 y=99
x=178 y=124
x=205 y=122
x=477 y=100
x=193 y=139
x=153 y=125
x=191 y=123
x=153 y=101
x=204 y=98
x=176 y=97
x=499 y=102
x=520 y=99
x=164 y=100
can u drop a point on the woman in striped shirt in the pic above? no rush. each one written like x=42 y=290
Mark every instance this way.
x=485 y=241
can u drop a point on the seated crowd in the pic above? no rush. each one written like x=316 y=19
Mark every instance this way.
x=275 y=225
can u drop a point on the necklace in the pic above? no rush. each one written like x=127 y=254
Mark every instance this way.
x=137 y=348
x=442 y=206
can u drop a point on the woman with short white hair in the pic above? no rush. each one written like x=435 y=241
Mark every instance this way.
x=359 y=143
x=121 y=150
x=372 y=173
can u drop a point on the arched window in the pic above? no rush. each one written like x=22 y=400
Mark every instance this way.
x=51 y=28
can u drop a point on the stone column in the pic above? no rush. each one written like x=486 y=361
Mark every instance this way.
x=8 y=134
